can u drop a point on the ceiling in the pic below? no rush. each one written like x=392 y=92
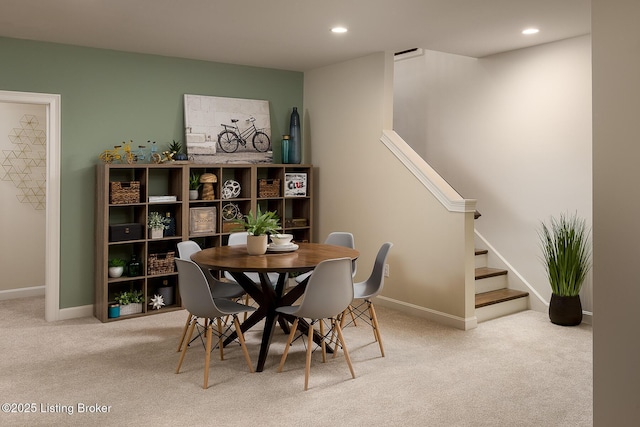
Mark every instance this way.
x=294 y=34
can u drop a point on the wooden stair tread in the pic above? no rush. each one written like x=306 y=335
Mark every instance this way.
x=484 y=272
x=495 y=297
x=482 y=251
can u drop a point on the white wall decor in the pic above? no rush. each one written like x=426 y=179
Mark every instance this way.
x=24 y=162
x=227 y=130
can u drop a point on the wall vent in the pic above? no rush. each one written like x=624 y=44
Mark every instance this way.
x=409 y=53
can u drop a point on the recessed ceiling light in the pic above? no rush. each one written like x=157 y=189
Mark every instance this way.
x=338 y=30
x=530 y=31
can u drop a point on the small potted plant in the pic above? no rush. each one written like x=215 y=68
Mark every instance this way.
x=157 y=223
x=116 y=267
x=566 y=255
x=259 y=226
x=194 y=185
x=176 y=148
x=130 y=302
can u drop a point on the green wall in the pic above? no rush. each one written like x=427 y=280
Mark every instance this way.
x=109 y=96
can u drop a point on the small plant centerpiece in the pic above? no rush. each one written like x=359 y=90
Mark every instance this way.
x=116 y=267
x=194 y=185
x=176 y=148
x=566 y=254
x=259 y=226
x=130 y=302
x=157 y=223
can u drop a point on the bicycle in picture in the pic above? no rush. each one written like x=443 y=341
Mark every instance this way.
x=231 y=137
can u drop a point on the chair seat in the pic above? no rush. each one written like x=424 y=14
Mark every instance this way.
x=226 y=306
x=361 y=290
x=288 y=309
x=226 y=290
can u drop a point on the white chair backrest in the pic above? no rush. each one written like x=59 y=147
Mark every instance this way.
x=329 y=290
x=375 y=282
x=187 y=248
x=194 y=290
x=343 y=238
x=239 y=238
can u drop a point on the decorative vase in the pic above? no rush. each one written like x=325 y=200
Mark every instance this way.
x=170 y=227
x=257 y=245
x=116 y=271
x=295 y=140
x=180 y=156
x=157 y=233
x=193 y=194
x=166 y=291
x=134 y=267
x=565 y=310
x=285 y=149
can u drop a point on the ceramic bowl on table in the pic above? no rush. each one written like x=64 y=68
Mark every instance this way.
x=281 y=239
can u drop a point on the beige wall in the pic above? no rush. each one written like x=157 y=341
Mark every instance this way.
x=22 y=226
x=364 y=189
x=514 y=132
x=616 y=211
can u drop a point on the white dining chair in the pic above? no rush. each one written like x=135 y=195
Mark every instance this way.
x=197 y=299
x=367 y=290
x=328 y=293
x=219 y=289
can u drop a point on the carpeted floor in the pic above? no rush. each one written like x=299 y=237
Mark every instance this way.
x=519 y=370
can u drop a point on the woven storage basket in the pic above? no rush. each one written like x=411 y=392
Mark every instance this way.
x=125 y=192
x=161 y=263
x=269 y=188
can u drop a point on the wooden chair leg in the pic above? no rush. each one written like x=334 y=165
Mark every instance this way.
x=246 y=302
x=184 y=348
x=307 y=368
x=353 y=318
x=289 y=341
x=184 y=331
x=207 y=356
x=220 y=341
x=344 y=349
x=376 y=328
x=236 y=323
x=334 y=334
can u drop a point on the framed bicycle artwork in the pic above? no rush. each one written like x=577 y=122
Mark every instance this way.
x=227 y=130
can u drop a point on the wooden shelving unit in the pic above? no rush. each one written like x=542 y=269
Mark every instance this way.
x=172 y=179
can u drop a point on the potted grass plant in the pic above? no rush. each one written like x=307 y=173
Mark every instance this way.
x=194 y=185
x=566 y=255
x=259 y=226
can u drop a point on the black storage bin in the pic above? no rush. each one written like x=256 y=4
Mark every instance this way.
x=121 y=232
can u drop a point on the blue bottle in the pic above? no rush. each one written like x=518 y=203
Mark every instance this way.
x=295 y=140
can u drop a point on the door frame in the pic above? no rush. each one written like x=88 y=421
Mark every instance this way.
x=52 y=238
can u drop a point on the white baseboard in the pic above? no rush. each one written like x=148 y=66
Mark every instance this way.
x=34 y=291
x=427 y=313
x=75 y=312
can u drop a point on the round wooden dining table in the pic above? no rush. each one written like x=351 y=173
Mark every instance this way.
x=268 y=295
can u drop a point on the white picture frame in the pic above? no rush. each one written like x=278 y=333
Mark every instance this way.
x=207 y=118
x=295 y=184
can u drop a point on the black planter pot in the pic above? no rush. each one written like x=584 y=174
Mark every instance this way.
x=565 y=311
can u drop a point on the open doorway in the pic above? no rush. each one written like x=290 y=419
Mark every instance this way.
x=51 y=127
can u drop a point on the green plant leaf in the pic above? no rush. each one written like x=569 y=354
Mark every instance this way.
x=261 y=223
x=566 y=253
